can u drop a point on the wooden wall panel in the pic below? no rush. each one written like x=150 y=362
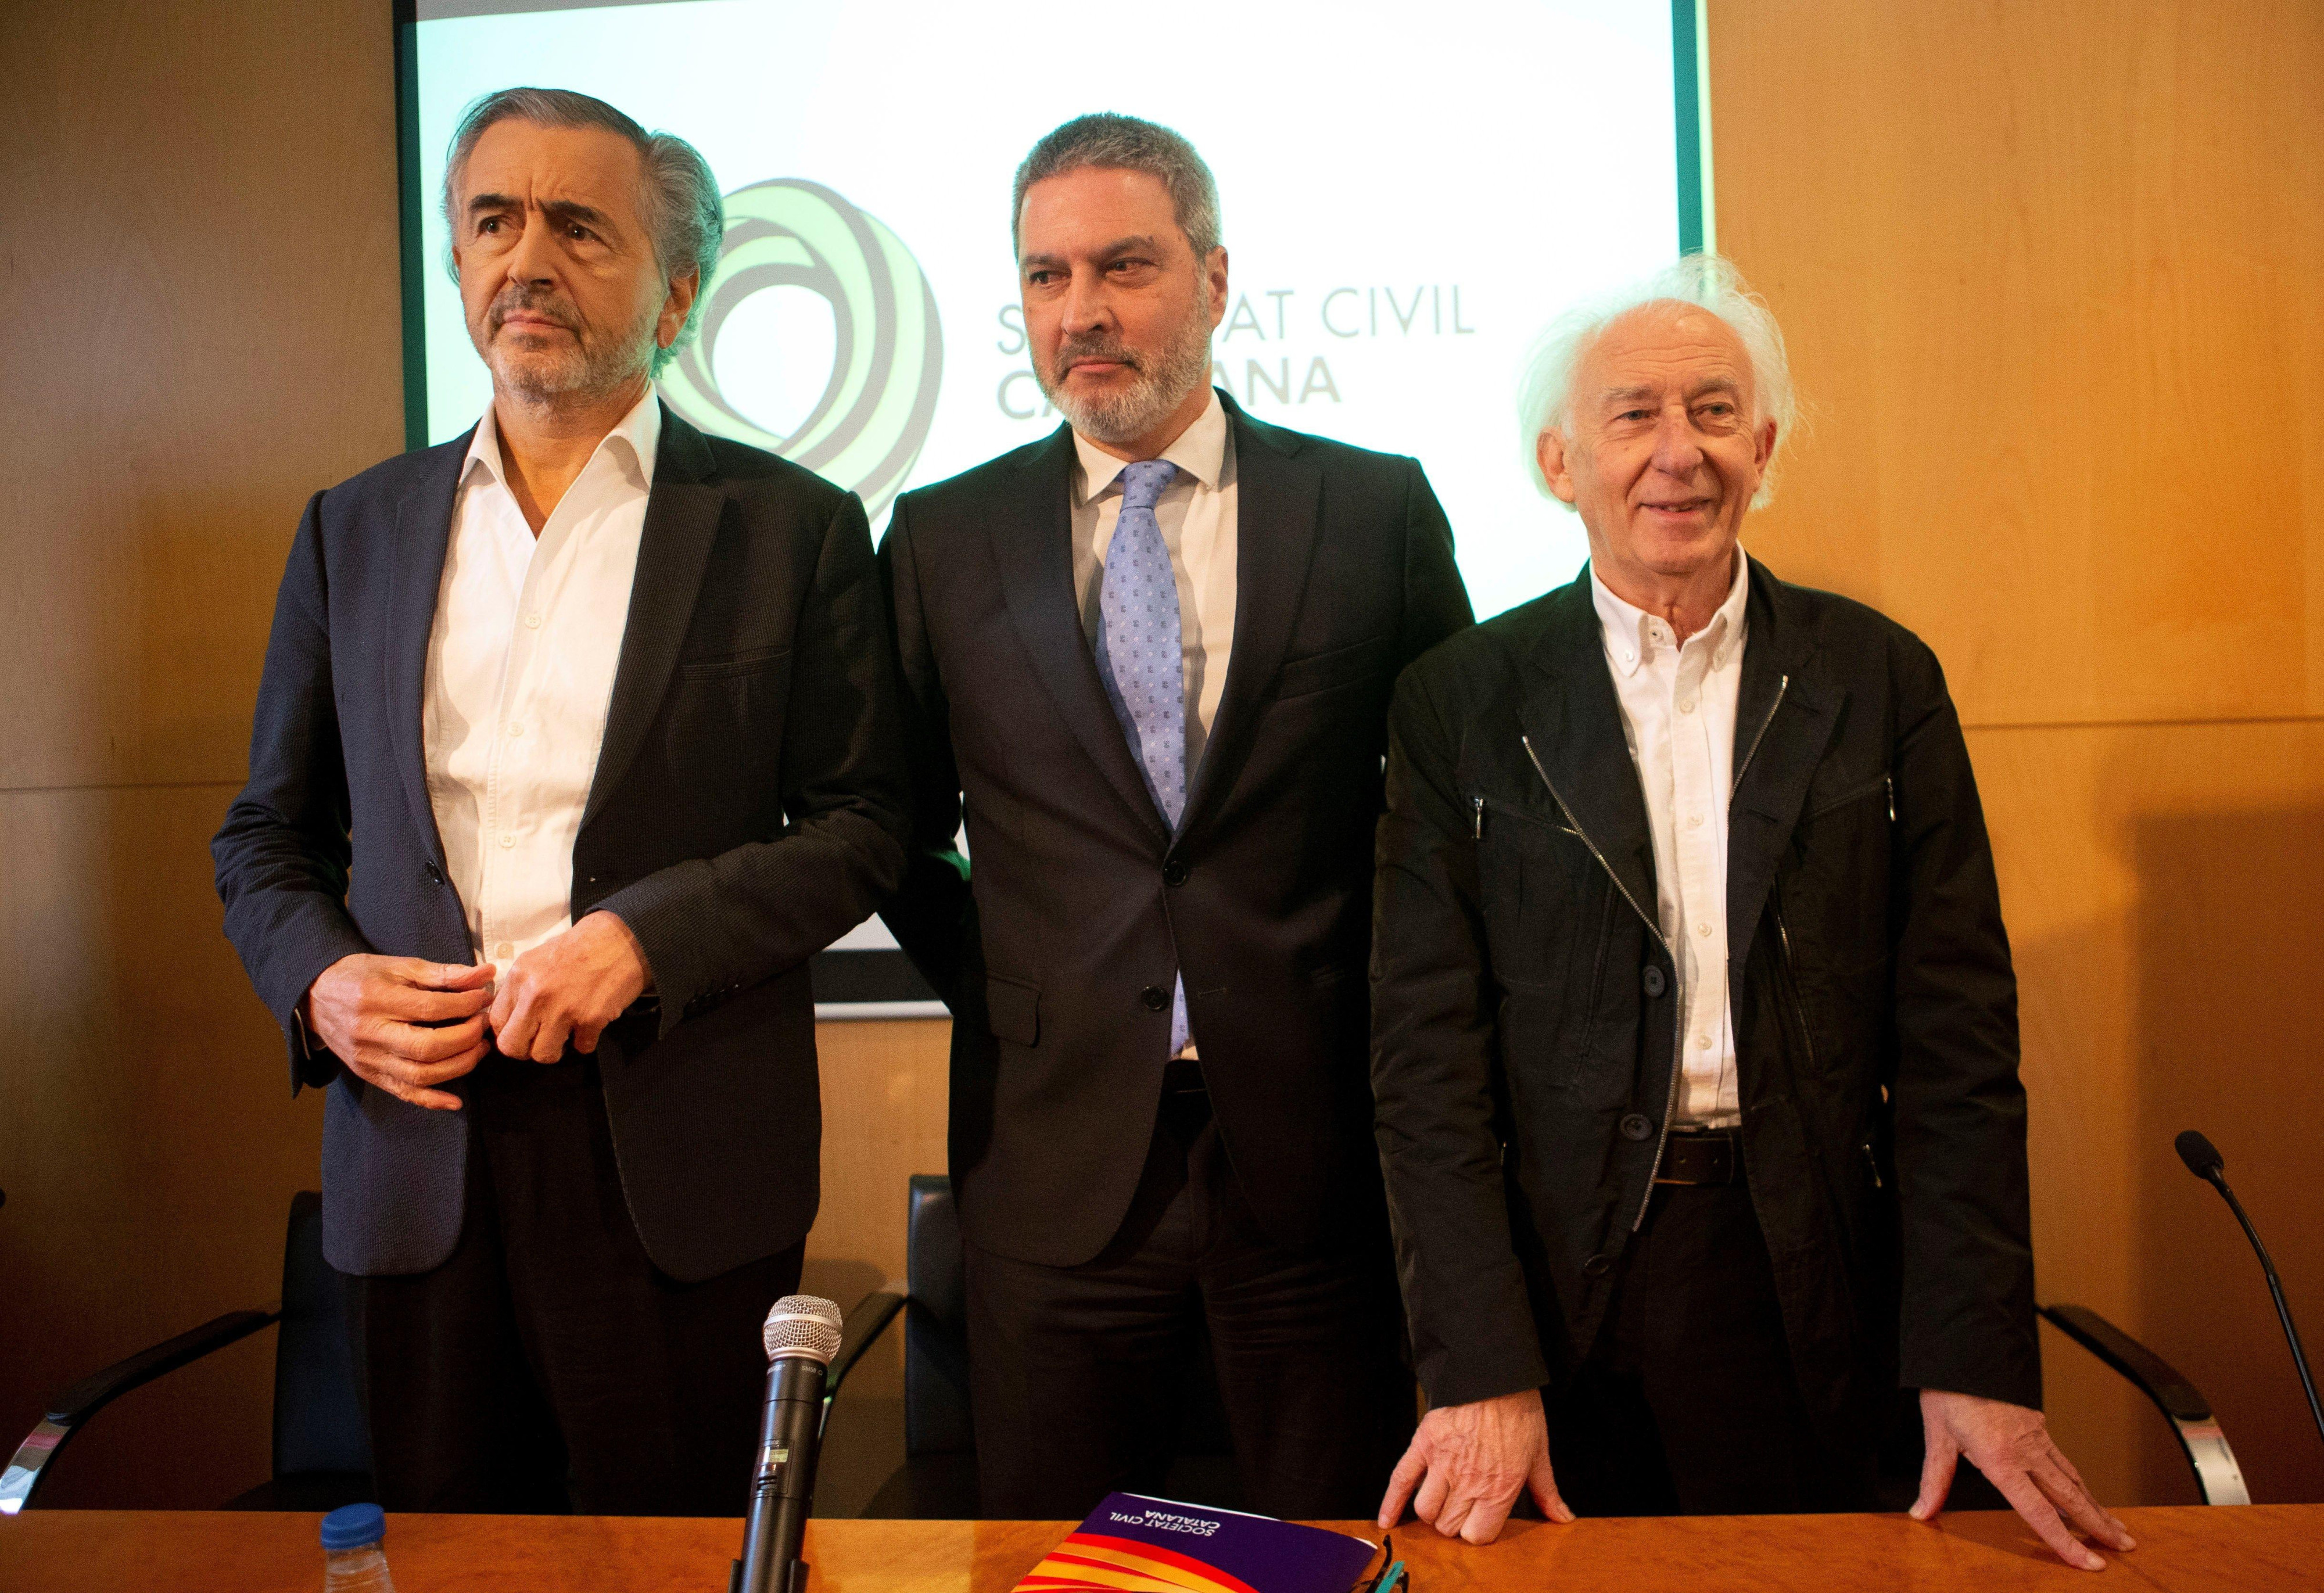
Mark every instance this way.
x=198 y=310
x=2047 y=270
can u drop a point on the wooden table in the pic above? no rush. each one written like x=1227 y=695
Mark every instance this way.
x=2235 y=1551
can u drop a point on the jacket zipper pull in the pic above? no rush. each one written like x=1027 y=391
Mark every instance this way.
x=1873 y=1162
x=1890 y=780
x=1477 y=831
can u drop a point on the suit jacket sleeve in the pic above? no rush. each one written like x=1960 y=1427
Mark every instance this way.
x=1436 y=600
x=1473 y=1335
x=932 y=916
x=1967 y=1301
x=715 y=924
x=282 y=856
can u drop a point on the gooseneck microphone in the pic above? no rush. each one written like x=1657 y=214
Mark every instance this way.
x=2205 y=1162
x=802 y=1335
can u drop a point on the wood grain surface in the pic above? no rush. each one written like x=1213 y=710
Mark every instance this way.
x=2187 y=1550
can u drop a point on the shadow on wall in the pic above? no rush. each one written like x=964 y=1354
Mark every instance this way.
x=2229 y=960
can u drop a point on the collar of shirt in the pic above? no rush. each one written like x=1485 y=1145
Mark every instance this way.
x=1200 y=452
x=634 y=443
x=1630 y=631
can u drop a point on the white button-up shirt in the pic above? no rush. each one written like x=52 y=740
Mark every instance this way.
x=1678 y=715
x=1196 y=512
x=521 y=673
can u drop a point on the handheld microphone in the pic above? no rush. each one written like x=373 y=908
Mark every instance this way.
x=2205 y=1162
x=802 y=1335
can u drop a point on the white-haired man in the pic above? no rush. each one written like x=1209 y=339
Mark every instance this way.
x=1695 y=1030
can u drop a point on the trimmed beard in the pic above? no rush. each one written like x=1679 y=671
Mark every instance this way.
x=596 y=368
x=1164 y=379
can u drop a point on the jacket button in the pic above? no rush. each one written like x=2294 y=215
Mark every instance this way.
x=1154 y=998
x=435 y=874
x=1655 y=981
x=1597 y=1266
x=1174 y=872
x=1638 y=1126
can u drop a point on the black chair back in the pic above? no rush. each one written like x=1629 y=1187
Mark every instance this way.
x=936 y=1419
x=318 y=1422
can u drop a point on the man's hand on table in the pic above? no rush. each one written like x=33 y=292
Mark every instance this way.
x=568 y=986
x=1470 y=1462
x=374 y=1013
x=2011 y=1446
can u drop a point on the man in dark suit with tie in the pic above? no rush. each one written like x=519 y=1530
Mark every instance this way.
x=1151 y=656
x=577 y=736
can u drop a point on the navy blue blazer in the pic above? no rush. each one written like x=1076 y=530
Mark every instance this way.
x=749 y=806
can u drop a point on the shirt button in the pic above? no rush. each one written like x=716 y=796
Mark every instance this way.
x=509 y=840
x=1703 y=1041
x=1702 y=929
x=516 y=730
x=505 y=949
x=1686 y=707
x=533 y=621
x=1694 y=821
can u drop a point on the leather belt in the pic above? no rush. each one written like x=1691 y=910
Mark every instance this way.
x=1701 y=1156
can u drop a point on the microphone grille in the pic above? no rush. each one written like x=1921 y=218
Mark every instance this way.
x=802 y=1325
x=2203 y=1157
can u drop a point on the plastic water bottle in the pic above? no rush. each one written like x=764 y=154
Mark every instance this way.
x=353 y=1558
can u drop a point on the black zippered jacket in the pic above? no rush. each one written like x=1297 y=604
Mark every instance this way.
x=1525 y=1008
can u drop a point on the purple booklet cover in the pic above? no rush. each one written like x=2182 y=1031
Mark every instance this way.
x=1132 y=1545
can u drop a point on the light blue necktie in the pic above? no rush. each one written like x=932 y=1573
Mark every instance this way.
x=1141 y=658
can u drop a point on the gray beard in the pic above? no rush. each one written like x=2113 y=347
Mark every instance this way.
x=596 y=368
x=1123 y=416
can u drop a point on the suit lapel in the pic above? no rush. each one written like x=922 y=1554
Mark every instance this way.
x=1785 y=712
x=1032 y=546
x=423 y=533
x=682 y=514
x=1279 y=498
x=1573 y=725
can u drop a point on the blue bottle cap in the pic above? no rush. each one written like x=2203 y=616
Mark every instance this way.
x=351 y=1526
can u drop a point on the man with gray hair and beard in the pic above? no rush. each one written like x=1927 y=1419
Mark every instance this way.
x=1150 y=656
x=576 y=737
x=1695 y=1031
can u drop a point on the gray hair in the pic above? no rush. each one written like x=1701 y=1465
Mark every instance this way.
x=679 y=201
x=1708 y=282
x=1126 y=143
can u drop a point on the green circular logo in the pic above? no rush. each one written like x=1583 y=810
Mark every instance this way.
x=888 y=357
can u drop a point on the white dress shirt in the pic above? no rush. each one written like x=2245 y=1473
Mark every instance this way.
x=521 y=673
x=1196 y=512
x=1678 y=715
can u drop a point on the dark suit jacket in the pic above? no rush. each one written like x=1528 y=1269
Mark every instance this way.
x=747 y=807
x=1059 y=962
x=1525 y=1008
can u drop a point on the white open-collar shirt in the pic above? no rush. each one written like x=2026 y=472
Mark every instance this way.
x=520 y=674
x=1678 y=715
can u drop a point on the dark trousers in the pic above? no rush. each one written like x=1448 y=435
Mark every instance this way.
x=1078 y=1375
x=548 y=1365
x=1687 y=1405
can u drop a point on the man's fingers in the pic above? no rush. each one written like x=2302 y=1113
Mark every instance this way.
x=549 y=1037
x=1452 y=1512
x=585 y=1037
x=426 y=1045
x=1428 y=1502
x=1486 y=1518
x=2065 y=1491
x=447 y=976
x=1400 y=1483
x=414 y=1003
x=2027 y=1498
x=1936 y=1476
x=1542 y=1483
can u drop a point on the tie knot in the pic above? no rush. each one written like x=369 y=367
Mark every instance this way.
x=1143 y=484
